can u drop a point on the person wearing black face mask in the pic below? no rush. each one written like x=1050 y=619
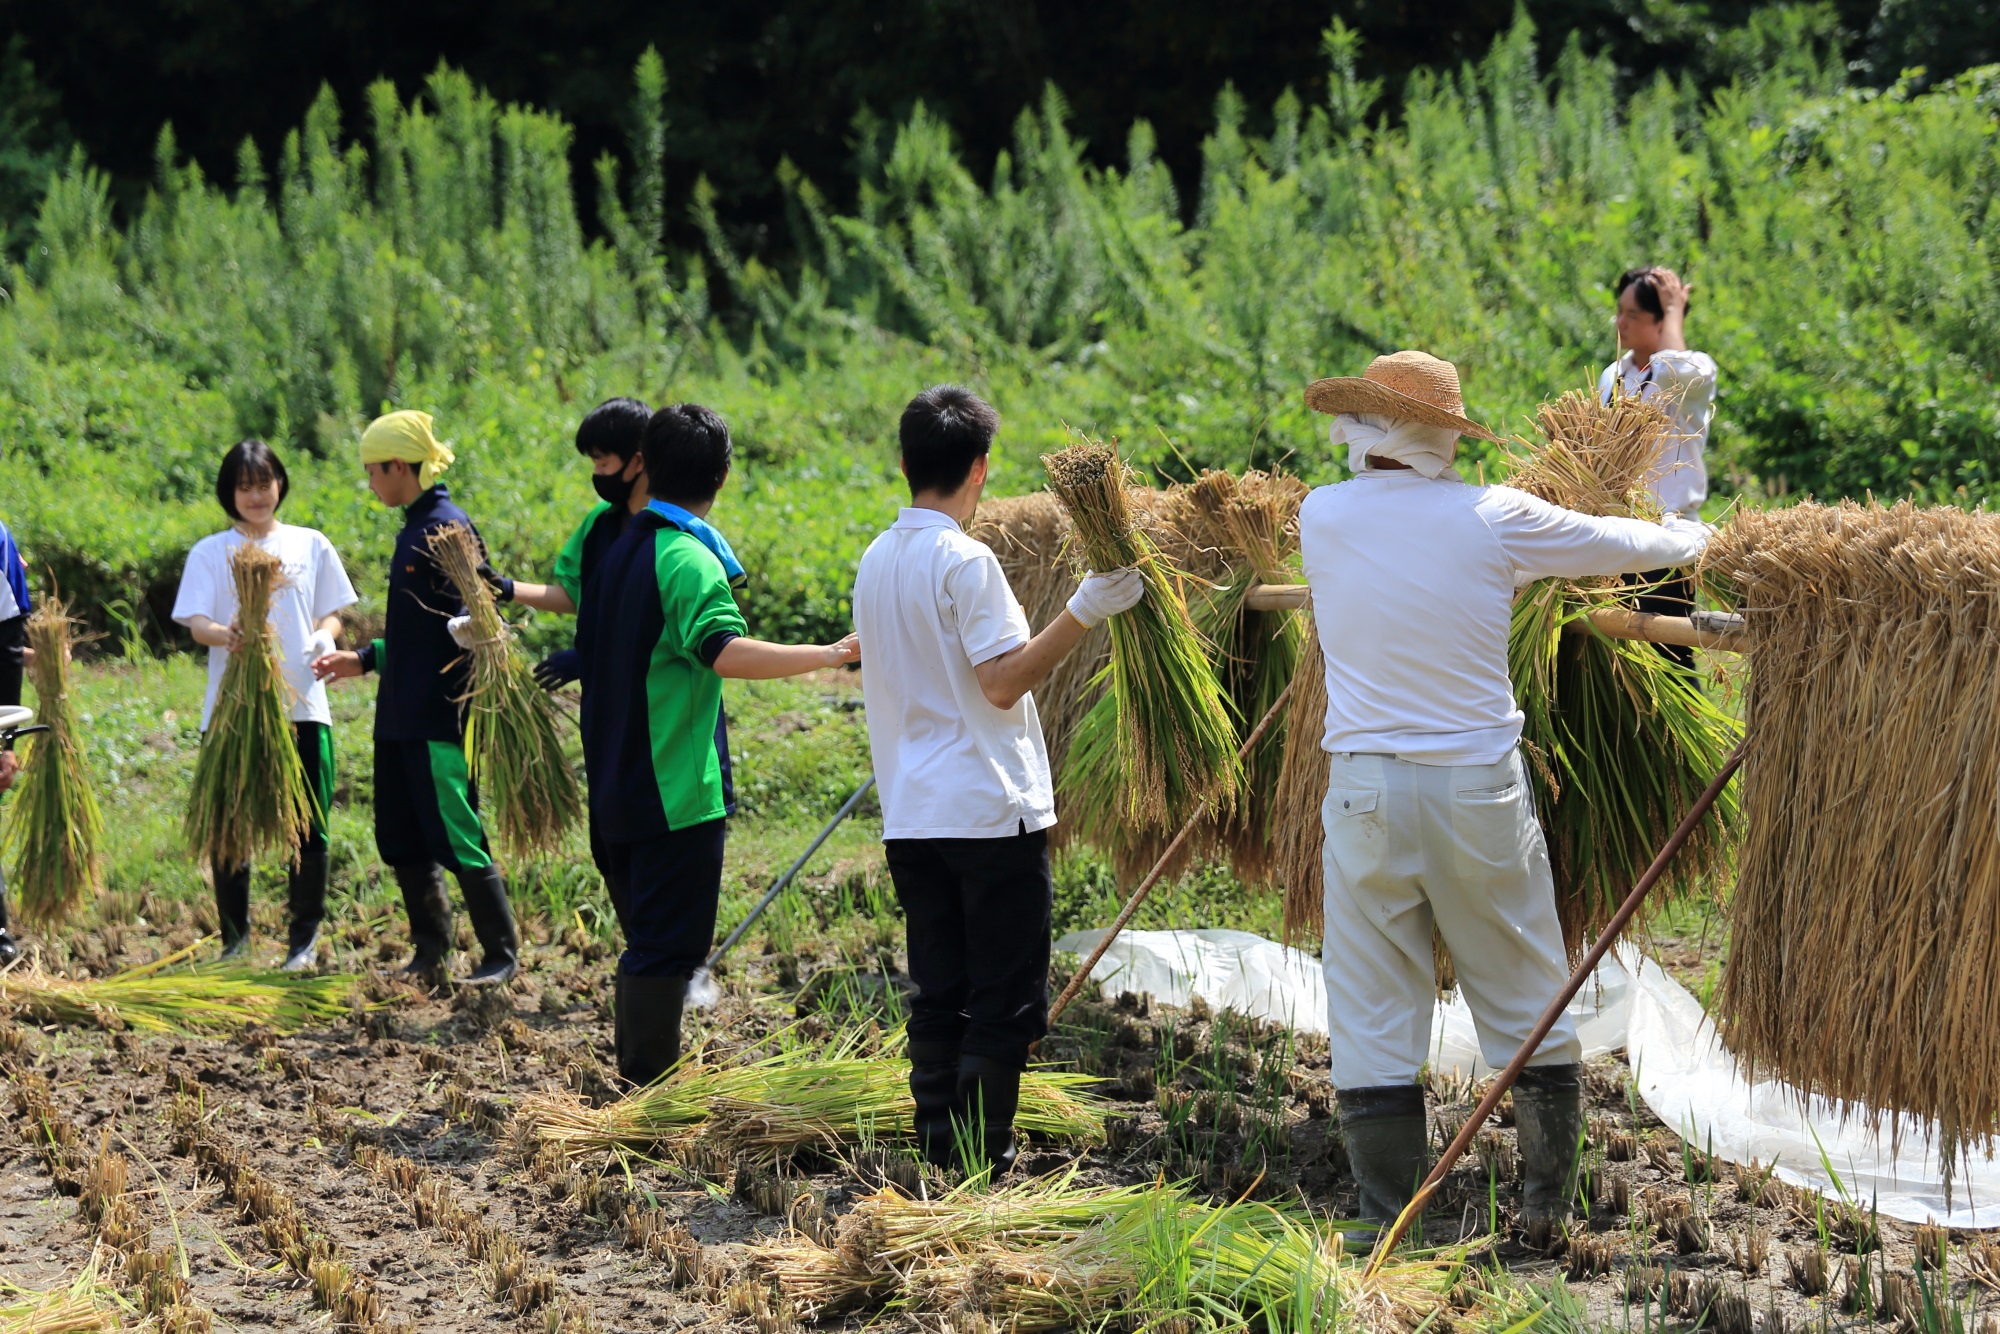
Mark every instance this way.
x=609 y=437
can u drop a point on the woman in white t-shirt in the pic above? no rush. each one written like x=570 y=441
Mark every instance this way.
x=305 y=615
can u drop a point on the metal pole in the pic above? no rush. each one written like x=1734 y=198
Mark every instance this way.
x=778 y=885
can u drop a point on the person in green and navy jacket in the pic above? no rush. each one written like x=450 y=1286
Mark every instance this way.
x=657 y=633
x=426 y=812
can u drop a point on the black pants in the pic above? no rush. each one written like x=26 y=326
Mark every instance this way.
x=664 y=891
x=1672 y=595
x=978 y=911
x=426 y=809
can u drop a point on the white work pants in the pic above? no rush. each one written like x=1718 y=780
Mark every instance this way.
x=1412 y=844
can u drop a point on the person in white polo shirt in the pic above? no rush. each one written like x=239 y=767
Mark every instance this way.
x=1655 y=363
x=963 y=775
x=1428 y=815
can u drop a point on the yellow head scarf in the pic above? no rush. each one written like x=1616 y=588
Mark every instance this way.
x=407 y=436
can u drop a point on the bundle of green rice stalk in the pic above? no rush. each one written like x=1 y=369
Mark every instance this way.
x=56 y=830
x=1620 y=738
x=512 y=746
x=162 y=997
x=786 y=1103
x=1161 y=739
x=87 y=1304
x=249 y=795
x=1864 y=960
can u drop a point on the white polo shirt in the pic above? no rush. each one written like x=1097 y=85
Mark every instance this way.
x=1684 y=384
x=931 y=604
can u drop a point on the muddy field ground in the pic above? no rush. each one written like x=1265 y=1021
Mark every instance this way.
x=369 y=1172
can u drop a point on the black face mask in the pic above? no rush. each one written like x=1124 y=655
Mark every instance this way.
x=611 y=488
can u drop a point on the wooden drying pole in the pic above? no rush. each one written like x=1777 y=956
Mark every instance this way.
x=1716 y=630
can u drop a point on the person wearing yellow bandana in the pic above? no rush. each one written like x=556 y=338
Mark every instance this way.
x=426 y=811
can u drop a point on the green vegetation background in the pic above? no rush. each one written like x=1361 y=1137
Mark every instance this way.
x=433 y=253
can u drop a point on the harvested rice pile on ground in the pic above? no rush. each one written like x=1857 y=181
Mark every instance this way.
x=1620 y=739
x=1864 y=961
x=168 y=996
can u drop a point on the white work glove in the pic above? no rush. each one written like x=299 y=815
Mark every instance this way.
x=1694 y=530
x=460 y=630
x=1107 y=594
x=318 y=645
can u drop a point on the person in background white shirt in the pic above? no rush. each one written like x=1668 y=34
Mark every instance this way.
x=1655 y=363
x=963 y=775
x=250 y=486
x=1428 y=816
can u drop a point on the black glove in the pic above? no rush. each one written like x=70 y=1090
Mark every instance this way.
x=502 y=586
x=559 y=669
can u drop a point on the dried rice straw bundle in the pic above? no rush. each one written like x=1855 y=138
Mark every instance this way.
x=1171 y=742
x=1620 y=738
x=1864 y=962
x=56 y=830
x=512 y=746
x=161 y=997
x=249 y=796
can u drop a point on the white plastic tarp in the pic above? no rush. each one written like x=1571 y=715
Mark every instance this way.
x=1679 y=1067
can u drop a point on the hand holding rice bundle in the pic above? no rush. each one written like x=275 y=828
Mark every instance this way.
x=56 y=831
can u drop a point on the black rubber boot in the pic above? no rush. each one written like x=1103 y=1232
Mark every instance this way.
x=934 y=1088
x=9 y=951
x=646 y=1026
x=492 y=917
x=232 y=908
x=430 y=918
x=1548 y=1121
x=989 y=1093
x=306 y=890
x=1389 y=1147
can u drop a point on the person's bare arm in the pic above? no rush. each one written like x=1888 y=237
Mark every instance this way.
x=213 y=633
x=1003 y=680
x=1673 y=295
x=544 y=597
x=760 y=660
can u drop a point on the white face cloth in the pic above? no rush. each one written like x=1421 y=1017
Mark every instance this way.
x=1428 y=449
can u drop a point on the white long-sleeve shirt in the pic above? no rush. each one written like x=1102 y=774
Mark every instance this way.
x=1684 y=384
x=1413 y=585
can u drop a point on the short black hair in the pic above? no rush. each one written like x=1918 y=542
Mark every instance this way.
x=945 y=430
x=687 y=452
x=1640 y=280
x=617 y=426
x=249 y=462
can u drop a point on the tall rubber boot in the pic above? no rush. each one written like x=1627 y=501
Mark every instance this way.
x=646 y=1026
x=429 y=909
x=934 y=1088
x=306 y=889
x=9 y=951
x=232 y=908
x=1548 y=1120
x=493 y=922
x=1389 y=1147
x=989 y=1093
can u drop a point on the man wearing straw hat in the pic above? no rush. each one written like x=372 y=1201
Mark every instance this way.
x=426 y=813
x=1428 y=816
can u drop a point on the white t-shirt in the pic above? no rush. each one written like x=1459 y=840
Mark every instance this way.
x=1412 y=588
x=931 y=604
x=316 y=586
x=1684 y=382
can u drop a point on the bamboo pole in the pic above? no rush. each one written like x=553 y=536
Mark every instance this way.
x=1160 y=866
x=1718 y=631
x=1592 y=957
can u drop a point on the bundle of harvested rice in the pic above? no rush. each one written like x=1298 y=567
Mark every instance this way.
x=1620 y=738
x=512 y=747
x=1170 y=742
x=787 y=1103
x=1864 y=961
x=87 y=1304
x=249 y=794
x=161 y=997
x=56 y=829
x=1303 y=774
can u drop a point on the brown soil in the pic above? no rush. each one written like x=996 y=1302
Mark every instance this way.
x=223 y=1136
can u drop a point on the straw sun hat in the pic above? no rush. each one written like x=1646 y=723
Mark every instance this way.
x=1414 y=386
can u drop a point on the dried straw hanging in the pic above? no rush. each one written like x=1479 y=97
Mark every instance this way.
x=1619 y=738
x=512 y=747
x=1303 y=774
x=55 y=831
x=249 y=796
x=1172 y=744
x=1864 y=960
